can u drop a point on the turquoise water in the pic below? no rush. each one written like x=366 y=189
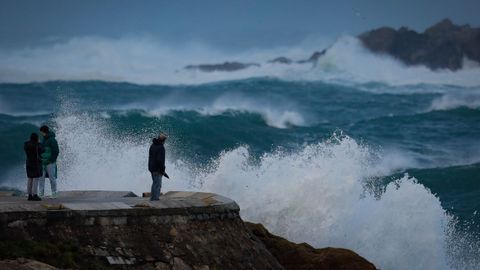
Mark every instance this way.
x=428 y=132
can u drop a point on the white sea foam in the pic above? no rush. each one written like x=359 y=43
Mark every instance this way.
x=149 y=61
x=317 y=196
x=458 y=99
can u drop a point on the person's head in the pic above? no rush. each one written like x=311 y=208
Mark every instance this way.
x=34 y=137
x=44 y=130
x=162 y=137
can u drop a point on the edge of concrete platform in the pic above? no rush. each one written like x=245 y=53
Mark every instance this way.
x=97 y=204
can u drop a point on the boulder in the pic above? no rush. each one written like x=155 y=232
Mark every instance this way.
x=305 y=257
x=281 y=60
x=313 y=58
x=226 y=66
x=442 y=46
x=24 y=264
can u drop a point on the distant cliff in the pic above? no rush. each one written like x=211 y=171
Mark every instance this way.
x=442 y=46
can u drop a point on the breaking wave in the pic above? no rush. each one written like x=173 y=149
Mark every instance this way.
x=148 y=61
x=278 y=115
x=456 y=100
x=319 y=194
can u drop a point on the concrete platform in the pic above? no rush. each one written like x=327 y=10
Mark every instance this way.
x=117 y=203
x=118 y=230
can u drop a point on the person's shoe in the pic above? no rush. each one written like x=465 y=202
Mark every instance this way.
x=36 y=198
x=54 y=195
x=30 y=197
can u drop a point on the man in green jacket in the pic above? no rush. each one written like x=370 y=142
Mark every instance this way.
x=49 y=161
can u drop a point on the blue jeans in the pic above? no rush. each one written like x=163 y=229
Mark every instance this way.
x=156 y=186
x=51 y=169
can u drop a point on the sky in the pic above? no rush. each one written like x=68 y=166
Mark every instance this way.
x=229 y=24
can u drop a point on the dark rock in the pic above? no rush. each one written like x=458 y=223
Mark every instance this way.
x=281 y=60
x=24 y=264
x=227 y=66
x=313 y=59
x=442 y=46
x=305 y=257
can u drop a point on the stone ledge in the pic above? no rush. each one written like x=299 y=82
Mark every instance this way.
x=109 y=207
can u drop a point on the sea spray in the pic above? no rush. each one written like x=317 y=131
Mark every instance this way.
x=93 y=157
x=315 y=195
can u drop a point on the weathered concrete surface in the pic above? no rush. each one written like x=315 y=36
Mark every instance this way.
x=114 y=203
x=183 y=230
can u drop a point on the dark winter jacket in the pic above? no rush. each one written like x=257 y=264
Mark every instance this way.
x=156 y=157
x=50 y=142
x=33 y=150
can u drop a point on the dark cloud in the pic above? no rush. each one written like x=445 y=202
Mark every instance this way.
x=229 y=24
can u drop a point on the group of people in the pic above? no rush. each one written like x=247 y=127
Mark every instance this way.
x=42 y=156
x=41 y=163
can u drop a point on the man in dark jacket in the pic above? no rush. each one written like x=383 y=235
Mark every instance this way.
x=50 y=145
x=33 y=150
x=156 y=165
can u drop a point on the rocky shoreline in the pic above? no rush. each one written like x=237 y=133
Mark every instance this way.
x=115 y=230
x=441 y=46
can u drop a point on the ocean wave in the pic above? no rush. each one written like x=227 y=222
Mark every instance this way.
x=24 y=114
x=456 y=100
x=317 y=194
x=148 y=61
x=279 y=115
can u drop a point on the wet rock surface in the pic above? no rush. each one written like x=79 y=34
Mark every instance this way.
x=25 y=264
x=305 y=257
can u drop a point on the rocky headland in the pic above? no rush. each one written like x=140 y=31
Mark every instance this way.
x=441 y=46
x=118 y=230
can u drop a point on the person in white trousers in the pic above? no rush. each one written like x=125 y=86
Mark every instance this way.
x=49 y=160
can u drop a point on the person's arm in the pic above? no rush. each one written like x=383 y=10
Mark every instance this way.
x=161 y=159
x=55 y=151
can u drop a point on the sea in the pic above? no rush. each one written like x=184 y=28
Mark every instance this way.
x=356 y=151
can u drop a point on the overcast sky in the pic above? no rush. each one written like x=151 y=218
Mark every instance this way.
x=231 y=24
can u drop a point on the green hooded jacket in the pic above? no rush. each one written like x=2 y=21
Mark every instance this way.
x=46 y=156
x=49 y=141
